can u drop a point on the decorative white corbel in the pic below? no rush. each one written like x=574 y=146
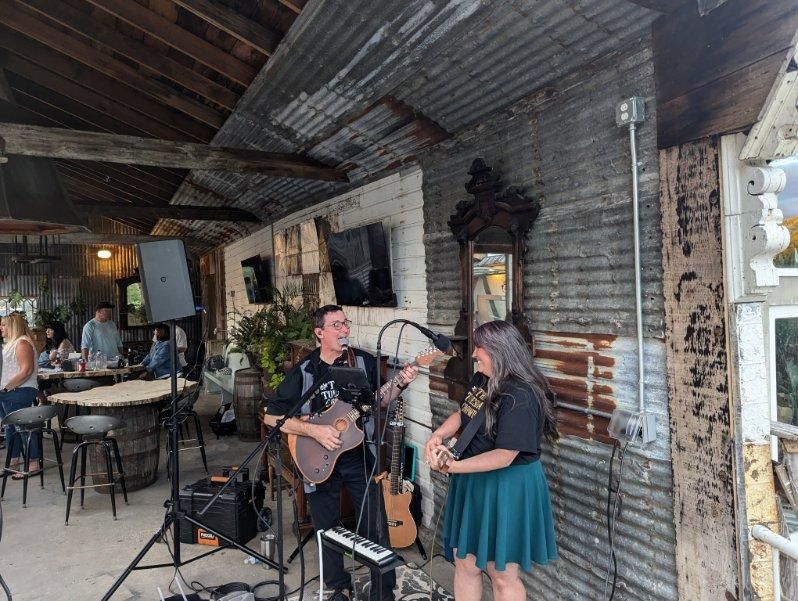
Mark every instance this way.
x=765 y=236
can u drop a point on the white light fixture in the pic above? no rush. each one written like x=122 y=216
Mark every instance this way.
x=104 y=253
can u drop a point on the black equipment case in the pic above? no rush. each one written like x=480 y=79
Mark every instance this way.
x=233 y=513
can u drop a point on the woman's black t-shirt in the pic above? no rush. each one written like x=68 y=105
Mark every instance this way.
x=518 y=425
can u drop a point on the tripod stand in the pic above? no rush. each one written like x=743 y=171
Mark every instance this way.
x=174 y=513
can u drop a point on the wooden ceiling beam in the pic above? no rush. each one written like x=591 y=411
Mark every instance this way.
x=87 y=98
x=294 y=5
x=234 y=24
x=55 y=143
x=85 y=25
x=176 y=37
x=180 y=212
x=39 y=54
x=15 y=18
x=112 y=239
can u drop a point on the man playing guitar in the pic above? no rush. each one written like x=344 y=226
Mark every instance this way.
x=331 y=328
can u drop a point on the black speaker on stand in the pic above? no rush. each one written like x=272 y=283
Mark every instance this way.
x=166 y=287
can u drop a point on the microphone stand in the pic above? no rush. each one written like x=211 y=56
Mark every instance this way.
x=378 y=425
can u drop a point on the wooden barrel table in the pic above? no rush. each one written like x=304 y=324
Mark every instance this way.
x=247 y=395
x=136 y=403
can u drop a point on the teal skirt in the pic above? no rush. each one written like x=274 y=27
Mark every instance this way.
x=503 y=516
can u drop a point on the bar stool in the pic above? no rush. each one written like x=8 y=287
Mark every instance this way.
x=73 y=385
x=30 y=422
x=93 y=430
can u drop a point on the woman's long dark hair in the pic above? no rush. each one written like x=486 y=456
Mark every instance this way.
x=511 y=358
x=59 y=335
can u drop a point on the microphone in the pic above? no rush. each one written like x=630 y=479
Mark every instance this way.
x=441 y=341
x=344 y=341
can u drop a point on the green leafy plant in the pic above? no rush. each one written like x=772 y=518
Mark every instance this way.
x=62 y=312
x=285 y=320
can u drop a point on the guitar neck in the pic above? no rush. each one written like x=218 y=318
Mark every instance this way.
x=397 y=379
x=396 y=447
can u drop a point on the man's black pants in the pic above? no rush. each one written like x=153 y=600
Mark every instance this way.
x=324 y=504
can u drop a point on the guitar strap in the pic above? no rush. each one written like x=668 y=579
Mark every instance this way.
x=470 y=431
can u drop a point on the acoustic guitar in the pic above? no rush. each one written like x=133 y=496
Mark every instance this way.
x=317 y=463
x=402 y=530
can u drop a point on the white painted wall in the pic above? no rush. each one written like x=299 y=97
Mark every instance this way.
x=397 y=201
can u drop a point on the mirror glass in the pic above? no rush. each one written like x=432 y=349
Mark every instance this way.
x=491 y=276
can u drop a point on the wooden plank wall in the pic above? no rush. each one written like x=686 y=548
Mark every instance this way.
x=715 y=72
x=700 y=416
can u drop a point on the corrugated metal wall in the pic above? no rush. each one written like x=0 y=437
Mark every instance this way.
x=579 y=283
x=80 y=274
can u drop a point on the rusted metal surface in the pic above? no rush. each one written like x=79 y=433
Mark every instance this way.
x=324 y=92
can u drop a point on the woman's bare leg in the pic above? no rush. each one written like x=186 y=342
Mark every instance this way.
x=507 y=585
x=467 y=579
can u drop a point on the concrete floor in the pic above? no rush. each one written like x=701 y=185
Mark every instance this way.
x=40 y=558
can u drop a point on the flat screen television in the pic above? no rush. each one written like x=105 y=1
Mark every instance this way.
x=360 y=262
x=258 y=279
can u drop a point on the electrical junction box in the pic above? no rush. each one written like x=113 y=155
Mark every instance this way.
x=631 y=110
x=633 y=427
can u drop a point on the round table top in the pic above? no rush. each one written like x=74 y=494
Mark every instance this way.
x=46 y=374
x=123 y=394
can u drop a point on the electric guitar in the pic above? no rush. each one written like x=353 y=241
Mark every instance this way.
x=402 y=530
x=317 y=463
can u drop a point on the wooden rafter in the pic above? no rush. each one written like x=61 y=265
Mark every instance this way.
x=184 y=212
x=39 y=54
x=58 y=40
x=33 y=140
x=232 y=23
x=176 y=37
x=294 y=5
x=88 y=98
x=113 y=239
x=85 y=25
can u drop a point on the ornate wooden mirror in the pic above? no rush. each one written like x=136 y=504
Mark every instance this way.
x=490 y=230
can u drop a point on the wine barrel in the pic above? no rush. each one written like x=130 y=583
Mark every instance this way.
x=247 y=393
x=139 y=445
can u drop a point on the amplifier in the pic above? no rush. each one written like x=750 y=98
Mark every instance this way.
x=232 y=514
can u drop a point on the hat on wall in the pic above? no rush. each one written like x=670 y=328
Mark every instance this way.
x=104 y=305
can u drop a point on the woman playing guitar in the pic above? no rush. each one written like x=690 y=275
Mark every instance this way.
x=498 y=514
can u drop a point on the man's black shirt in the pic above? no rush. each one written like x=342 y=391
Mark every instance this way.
x=290 y=390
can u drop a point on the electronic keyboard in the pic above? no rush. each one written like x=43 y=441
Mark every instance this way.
x=365 y=551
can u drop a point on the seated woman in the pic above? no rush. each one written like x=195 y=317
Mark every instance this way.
x=158 y=362
x=57 y=343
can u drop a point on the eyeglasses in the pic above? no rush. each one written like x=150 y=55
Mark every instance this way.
x=337 y=325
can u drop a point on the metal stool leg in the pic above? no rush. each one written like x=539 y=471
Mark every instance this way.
x=40 y=435
x=26 y=475
x=110 y=471
x=73 y=466
x=6 y=473
x=57 y=448
x=119 y=468
x=83 y=450
x=200 y=439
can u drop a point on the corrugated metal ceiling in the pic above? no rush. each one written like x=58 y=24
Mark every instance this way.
x=332 y=88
